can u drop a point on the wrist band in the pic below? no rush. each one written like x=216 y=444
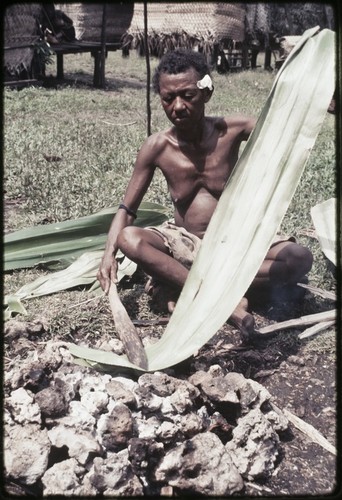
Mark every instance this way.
x=128 y=210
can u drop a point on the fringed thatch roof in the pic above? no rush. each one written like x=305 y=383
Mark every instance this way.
x=195 y=24
x=87 y=19
x=21 y=33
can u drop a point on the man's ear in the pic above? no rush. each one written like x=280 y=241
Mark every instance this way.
x=208 y=94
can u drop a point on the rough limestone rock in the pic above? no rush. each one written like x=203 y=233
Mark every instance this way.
x=147 y=428
x=95 y=402
x=51 y=402
x=81 y=445
x=26 y=452
x=23 y=407
x=218 y=389
x=114 y=475
x=92 y=383
x=108 y=435
x=159 y=383
x=183 y=399
x=115 y=428
x=120 y=393
x=67 y=477
x=254 y=447
x=277 y=418
x=77 y=417
x=200 y=465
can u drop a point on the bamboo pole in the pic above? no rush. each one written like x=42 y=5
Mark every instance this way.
x=310 y=319
x=148 y=71
x=314 y=329
x=101 y=82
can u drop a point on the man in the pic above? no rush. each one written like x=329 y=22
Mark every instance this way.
x=197 y=156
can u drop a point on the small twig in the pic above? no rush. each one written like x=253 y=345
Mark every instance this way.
x=150 y=322
x=310 y=431
x=311 y=233
x=319 y=291
x=119 y=124
x=302 y=321
x=86 y=301
x=257 y=487
x=319 y=327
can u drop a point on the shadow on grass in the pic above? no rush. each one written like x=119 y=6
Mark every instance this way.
x=81 y=80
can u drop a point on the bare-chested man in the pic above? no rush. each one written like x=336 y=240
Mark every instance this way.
x=197 y=156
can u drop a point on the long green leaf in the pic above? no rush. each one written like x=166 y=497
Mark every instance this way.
x=13 y=306
x=81 y=272
x=61 y=243
x=324 y=219
x=251 y=207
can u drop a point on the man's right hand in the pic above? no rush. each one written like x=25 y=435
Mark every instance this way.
x=107 y=272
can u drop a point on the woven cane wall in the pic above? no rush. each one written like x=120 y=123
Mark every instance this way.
x=87 y=19
x=21 y=32
x=172 y=25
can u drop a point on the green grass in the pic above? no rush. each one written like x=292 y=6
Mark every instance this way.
x=97 y=134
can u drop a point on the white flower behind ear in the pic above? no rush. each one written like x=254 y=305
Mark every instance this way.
x=206 y=82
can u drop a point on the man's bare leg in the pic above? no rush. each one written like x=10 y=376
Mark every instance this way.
x=148 y=250
x=285 y=264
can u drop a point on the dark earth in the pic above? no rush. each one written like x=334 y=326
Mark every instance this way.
x=300 y=379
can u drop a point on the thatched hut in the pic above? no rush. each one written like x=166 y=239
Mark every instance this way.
x=197 y=25
x=21 y=35
x=87 y=19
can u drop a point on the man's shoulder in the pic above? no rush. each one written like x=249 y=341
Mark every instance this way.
x=240 y=122
x=159 y=138
x=238 y=119
x=154 y=145
x=230 y=122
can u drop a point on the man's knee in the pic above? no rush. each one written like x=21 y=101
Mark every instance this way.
x=129 y=241
x=299 y=260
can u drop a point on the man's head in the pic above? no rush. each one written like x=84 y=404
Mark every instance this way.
x=183 y=83
x=179 y=61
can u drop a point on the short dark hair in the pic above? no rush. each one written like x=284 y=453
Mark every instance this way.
x=178 y=61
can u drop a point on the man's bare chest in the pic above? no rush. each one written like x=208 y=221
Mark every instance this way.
x=188 y=171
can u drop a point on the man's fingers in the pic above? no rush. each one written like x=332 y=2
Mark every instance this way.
x=113 y=275
x=107 y=274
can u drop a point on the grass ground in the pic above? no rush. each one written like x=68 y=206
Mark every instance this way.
x=70 y=150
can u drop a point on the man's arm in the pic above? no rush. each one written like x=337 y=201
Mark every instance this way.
x=242 y=125
x=141 y=179
x=246 y=125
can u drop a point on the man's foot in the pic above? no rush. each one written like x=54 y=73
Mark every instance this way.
x=243 y=320
x=164 y=293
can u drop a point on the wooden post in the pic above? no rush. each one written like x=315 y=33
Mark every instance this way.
x=60 y=67
x=100 y=57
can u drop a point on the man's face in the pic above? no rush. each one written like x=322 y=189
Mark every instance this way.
x=182 y=100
